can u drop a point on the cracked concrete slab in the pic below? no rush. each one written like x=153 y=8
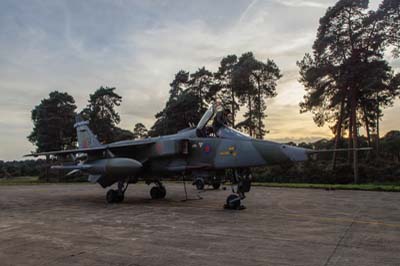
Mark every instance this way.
x=71 y=224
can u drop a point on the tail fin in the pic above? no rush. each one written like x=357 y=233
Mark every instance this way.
x=86 y=138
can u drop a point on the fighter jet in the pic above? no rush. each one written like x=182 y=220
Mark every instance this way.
x=190 y=152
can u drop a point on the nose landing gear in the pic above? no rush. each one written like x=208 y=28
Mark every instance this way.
x=241 y=183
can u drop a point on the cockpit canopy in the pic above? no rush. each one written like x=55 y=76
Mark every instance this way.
x=206 y=117
x=223 y=132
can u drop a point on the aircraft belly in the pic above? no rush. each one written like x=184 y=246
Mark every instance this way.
x=168 y=165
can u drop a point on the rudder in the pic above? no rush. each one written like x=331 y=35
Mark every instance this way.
x=86 y=138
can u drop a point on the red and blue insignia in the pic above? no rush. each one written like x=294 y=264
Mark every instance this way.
x=207 y=148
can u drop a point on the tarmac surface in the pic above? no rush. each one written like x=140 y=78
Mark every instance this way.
x=71 y=224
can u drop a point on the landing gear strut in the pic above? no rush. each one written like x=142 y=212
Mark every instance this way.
x=117 y=196
x=158 y=191
x=241 y=183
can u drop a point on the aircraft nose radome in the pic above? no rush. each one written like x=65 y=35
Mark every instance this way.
x=295 y=154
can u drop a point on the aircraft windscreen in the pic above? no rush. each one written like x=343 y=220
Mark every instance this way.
x=230 y=133
x=206 y=117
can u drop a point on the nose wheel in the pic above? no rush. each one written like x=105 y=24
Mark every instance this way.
x=232 y=202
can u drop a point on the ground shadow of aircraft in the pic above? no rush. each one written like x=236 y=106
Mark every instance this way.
x=189 y=152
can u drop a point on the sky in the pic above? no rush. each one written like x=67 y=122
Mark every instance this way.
x=137 y=46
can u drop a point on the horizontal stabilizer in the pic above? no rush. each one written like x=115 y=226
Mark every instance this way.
x=73 y=172
x=94 y=178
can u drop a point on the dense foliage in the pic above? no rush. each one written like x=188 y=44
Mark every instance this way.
x=53 y=121
x=103 y=117
x=21 y=168
x=347 y=78
x=244 y=82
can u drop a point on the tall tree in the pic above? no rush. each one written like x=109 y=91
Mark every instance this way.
x=101 y=113
x=200 y=84
x=183 y=107
x=140 y=131
x=241 y=82
x=254 y=81
x=178 y=115
x=53 y=121
x=178 y=85
x=224 y=89
x=388 y=15
x=348 y=49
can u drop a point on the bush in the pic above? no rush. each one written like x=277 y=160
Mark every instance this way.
x=321 y=172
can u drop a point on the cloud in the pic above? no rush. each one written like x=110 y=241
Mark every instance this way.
x=301 y=3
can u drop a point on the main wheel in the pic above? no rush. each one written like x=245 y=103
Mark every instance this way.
x=120 y=197
x=199 y=184
x=162 y=191
x=216 y=185
x=154 y=192
x=112 y=196
x=158 y=192
x=233 y=201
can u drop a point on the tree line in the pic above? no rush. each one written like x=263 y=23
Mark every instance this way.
x=239 y=82
x=54 y=117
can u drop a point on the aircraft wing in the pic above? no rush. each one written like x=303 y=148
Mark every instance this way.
x=66 y=152
x=94 y=150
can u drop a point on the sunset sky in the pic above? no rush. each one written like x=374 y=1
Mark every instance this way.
x=138 y=46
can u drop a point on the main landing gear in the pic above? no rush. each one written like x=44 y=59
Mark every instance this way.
x=200 y=182
x=158 y=191
x=241 y=183
x=117 y=196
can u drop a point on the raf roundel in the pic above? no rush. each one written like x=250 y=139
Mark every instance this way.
x=207 y=148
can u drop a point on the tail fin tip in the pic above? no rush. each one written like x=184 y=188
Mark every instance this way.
x=86 y=138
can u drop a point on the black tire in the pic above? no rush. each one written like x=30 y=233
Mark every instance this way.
x=112 y=196
x=216 y=185
x=162 y=192
x=199 y=184
x=120 y=198
x=158 y=192
x=154 y=192
x=233 y=201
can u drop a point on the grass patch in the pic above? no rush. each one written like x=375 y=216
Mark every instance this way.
x=34 y=180
x=366 y=187
x=23 y=180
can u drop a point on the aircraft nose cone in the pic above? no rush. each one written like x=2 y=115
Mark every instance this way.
x=295 y=154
